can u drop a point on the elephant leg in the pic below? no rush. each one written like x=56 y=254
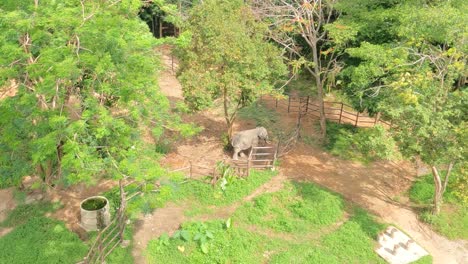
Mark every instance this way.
x=242 y=154
x=236 y=154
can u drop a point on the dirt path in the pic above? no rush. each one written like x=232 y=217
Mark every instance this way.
x=372 y=187
x=7 y=203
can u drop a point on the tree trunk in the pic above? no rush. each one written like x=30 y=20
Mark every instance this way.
x=229 y=123
x=438 y=191
x=318 y=81
x=160 y=28
x=447 y=175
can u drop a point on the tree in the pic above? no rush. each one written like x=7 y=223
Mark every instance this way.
x=305 y=29
x=415 y=81
x=83 y=82
x=227 y=58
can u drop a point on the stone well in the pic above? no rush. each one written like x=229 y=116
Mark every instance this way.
x=95 y=214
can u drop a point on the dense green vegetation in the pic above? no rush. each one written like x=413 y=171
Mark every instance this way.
x=273 y=227
x=361 y=144
x=79 y=73
x=79 y=102
x=227 y=58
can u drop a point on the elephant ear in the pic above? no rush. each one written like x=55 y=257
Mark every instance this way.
x=262 y=132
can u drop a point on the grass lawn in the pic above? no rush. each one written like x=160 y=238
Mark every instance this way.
x=452 y=221
x=41 y=240
x=300 y=224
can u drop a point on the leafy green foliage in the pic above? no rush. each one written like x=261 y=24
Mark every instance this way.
x=41 y=240
x=85 y=86
x=416 y=77
x=227 y=58
x=453 y=219
x=363 y=144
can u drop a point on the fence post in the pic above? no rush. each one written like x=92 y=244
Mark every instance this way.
x=121 y=212
x=190 y=170
x=377 y=117
x=341 y=113
x=307 y=105
x=289 y=102
x=276 y=104
x=357 y=119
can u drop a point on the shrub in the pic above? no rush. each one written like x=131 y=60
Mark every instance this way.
x=363 y=144
x=453 y=218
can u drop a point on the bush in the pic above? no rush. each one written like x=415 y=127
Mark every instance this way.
x=41 y=240
x=363 y=144
x=453 y=218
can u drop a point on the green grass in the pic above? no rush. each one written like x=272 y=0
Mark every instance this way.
x=424 y=260
x=23 y=212
x=123 y=255
x=303 y=85
x=295 y=209
x=299 y=224
x=234 y=245
x=265 y=117
x=360 y=144
x=41 y=240
x=452 y=221
x=205 y=194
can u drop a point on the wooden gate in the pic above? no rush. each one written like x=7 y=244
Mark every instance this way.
x=260 y=157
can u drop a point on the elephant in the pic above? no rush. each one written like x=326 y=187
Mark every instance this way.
x=246 y=139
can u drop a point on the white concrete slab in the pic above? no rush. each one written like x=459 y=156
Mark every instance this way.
x=397 y=248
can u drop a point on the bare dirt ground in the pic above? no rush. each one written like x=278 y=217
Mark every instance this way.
x=7 y=203
x=71 y=198
x=371 y=186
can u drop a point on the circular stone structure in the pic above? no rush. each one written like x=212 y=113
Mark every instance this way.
x=95 y=213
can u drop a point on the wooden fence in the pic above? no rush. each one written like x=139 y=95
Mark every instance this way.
x=113 y=234
x=334 y=111
x=260 y=157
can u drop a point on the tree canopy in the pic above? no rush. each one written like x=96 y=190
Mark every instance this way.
x=228 y=58
x=415 y=75
x=83 y=79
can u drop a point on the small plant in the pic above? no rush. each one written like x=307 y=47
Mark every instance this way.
x=227 y=176
x=226 y=142
x=202 y=236
x=182 y=234
x=181 y=107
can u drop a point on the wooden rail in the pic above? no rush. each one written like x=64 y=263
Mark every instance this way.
x=112 y=235
x=334 y=111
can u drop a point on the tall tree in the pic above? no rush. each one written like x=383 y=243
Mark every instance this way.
x=228 y=58
x=304 y=28
x=415 y=80
x=83 y=82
